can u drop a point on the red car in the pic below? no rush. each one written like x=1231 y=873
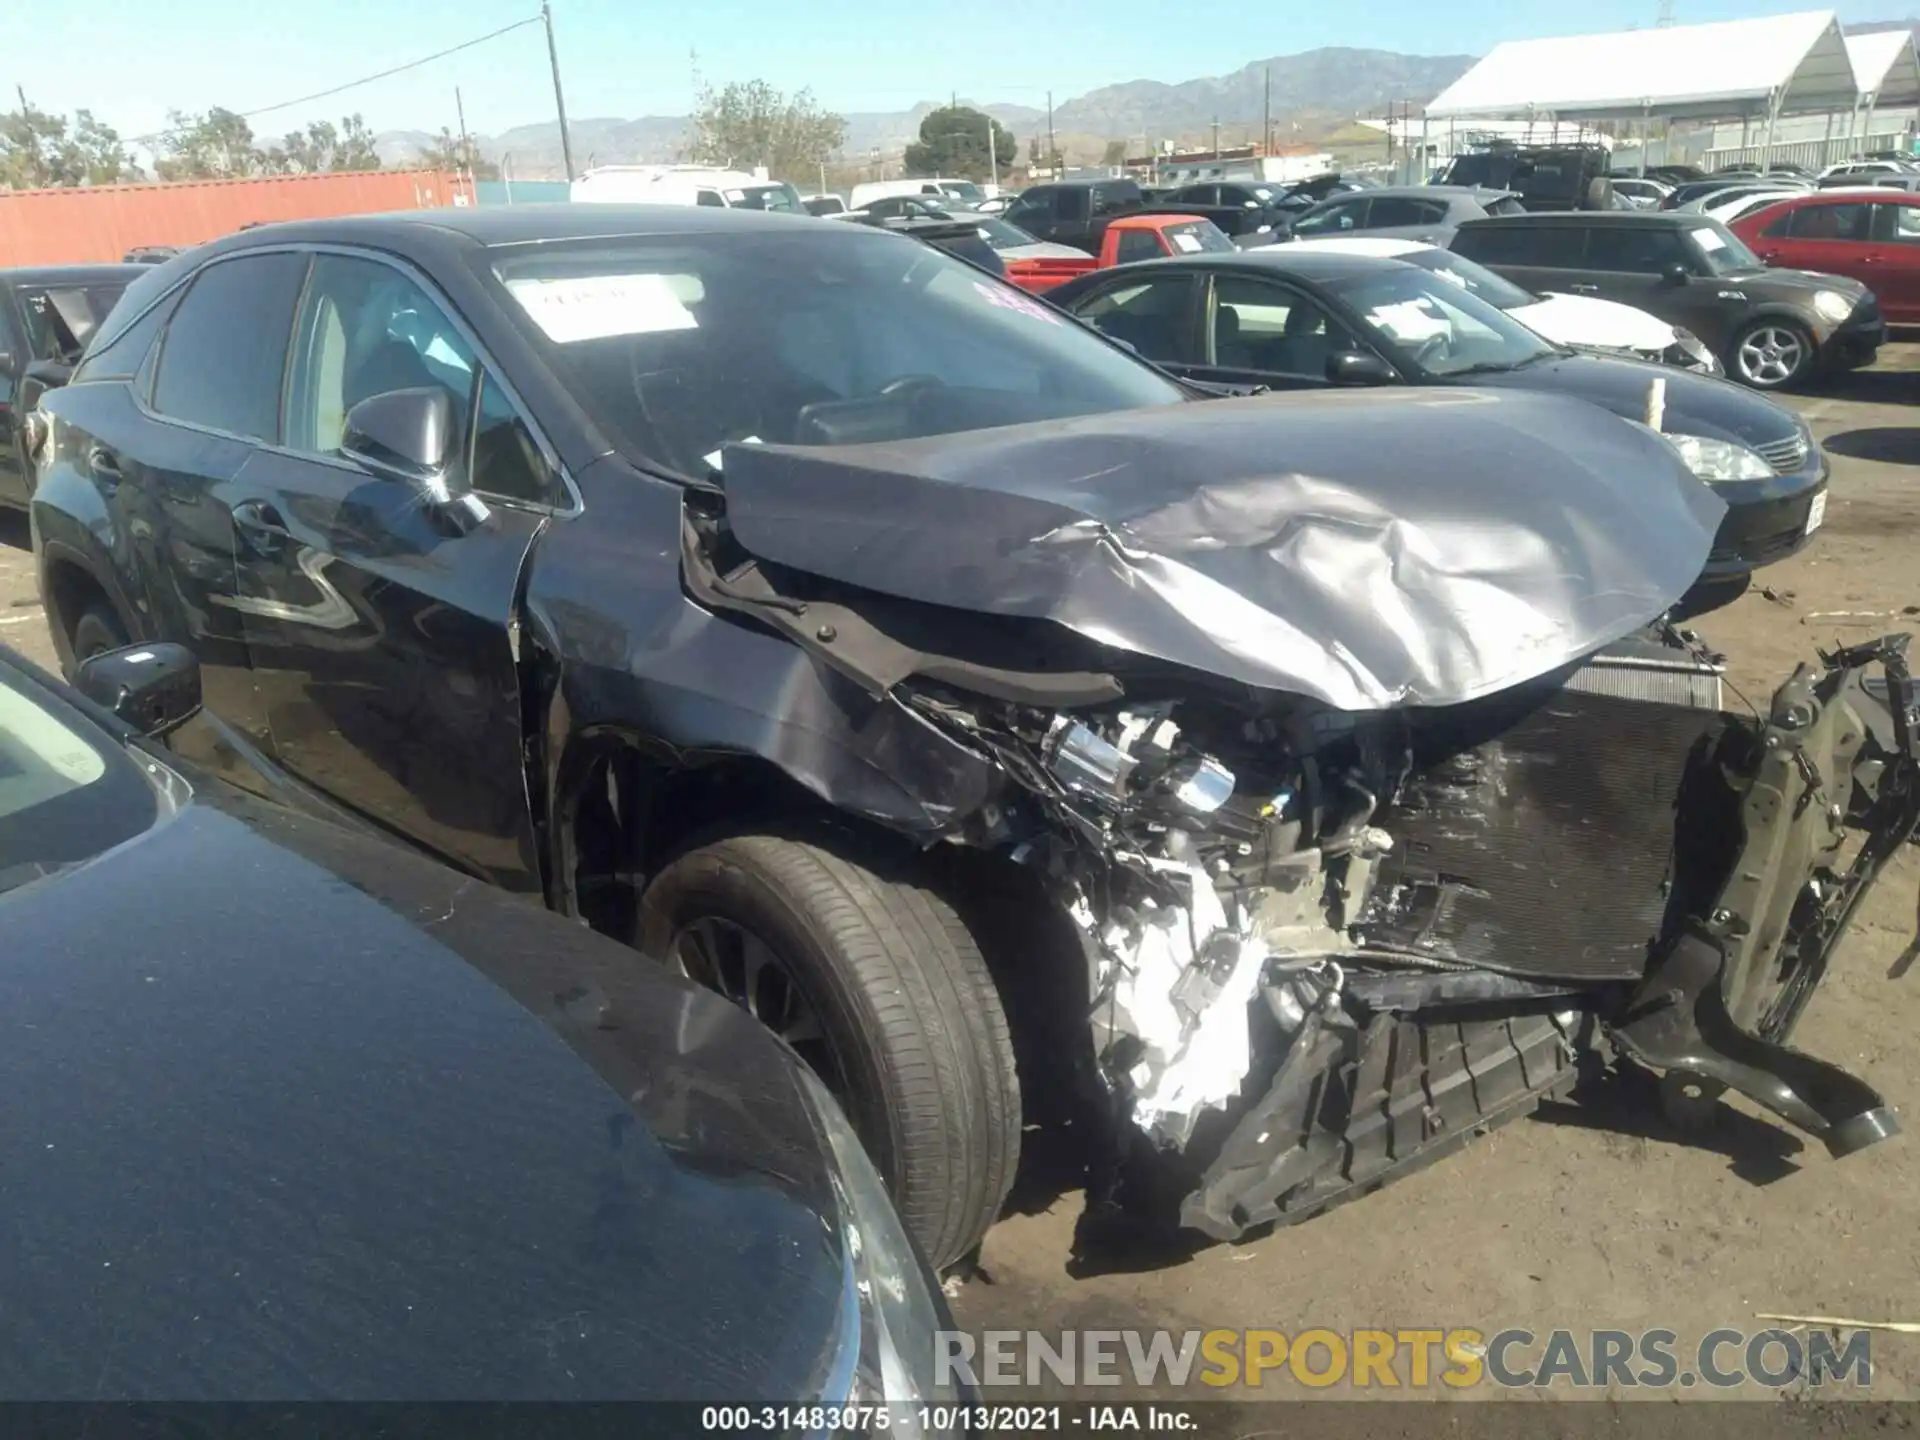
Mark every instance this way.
x=1872 y=235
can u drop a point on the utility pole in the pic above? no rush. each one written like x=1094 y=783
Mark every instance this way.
x=1266 y=116
x=1053 y=150
x=1216 y=137
x=466 y=145
x=33 y=140
x=559 y=99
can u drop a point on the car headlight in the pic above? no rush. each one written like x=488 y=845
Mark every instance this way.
x=901 y=1312
x=1713 y=460
x=1689 y=352
x=1832 y=306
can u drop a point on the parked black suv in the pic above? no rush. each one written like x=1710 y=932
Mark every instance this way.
x=1074 y=212
x=1771 y=328
x=1547 y=177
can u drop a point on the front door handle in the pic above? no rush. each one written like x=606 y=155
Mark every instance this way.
x=1584 y=289
x=261 y=527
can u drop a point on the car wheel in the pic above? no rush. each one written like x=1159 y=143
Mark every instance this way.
x=1770 y=354
x=97 y=631
x=873 y=980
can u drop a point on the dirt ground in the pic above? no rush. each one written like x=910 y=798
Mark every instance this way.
x=1583 y=1218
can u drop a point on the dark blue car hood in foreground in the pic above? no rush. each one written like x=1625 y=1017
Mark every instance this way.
x=275 y=1129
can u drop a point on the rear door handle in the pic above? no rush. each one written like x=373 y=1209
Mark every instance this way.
x=1584 y=289
x=260 y=526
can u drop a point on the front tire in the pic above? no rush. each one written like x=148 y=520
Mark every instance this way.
x=876 y=983
x=1771 y=354
x=97 y=631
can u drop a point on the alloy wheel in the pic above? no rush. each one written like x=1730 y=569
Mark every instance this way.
x=1770 y=355
x=734 y=962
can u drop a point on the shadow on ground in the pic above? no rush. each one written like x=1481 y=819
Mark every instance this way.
x=1888 y=444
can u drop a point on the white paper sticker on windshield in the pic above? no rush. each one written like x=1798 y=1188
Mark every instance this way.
x=1188 y=243
x=1010 y=299
x=593 y=307
x=1709 y=240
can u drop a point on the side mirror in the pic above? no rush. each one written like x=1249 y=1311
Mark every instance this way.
x=6 y=362
x=1676 y=274
x=1356 y=367
x=153 y=688
x=410 y=436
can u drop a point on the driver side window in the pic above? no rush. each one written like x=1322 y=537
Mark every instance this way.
x=365 y=329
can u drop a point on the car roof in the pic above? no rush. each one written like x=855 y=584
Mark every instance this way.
x=71 y=274
x=1668 y=218
x=492 y=225
x=1309 y=265
x=1445 y=192
x=1381 y=247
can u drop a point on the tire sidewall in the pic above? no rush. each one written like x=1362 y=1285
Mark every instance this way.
x=96 y=631
x=1800 y=332
x=701 y=884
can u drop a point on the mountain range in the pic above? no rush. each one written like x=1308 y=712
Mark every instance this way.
x=1326 y=85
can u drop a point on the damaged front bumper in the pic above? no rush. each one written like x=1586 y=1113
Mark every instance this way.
x=1359 y=1073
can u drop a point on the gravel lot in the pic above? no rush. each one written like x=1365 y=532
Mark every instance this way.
x=1582 y=1217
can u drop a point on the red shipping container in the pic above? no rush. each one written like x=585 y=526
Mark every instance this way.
x=100 y=224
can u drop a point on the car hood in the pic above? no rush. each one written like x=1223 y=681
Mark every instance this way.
x=1694 y=404
x=1043 y=250
x=1587 y=320
x=1369 y=549
x=296 y=1115
x=1787 y=282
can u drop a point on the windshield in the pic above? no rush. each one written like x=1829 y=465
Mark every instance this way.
x=963 y=190
x=1002 y=236
x=1722 y=251
x=68 y=791
x=678 y=345
x=1438 y=325
x=60 y=318
x=765 y=197
x=1472 y=278
x=1194 y=237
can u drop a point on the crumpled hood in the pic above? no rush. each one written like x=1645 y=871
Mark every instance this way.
x=1368 y=549
x=1586 y=320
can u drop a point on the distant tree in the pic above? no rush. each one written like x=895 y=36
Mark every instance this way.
x=750 y=123
x=40 y=149
x=215 y=146
x=1115 y=153
x=447 y=153
x=953 y=141
x=322 y=147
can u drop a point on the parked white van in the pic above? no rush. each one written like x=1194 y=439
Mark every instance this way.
x=684 y=185
x=963 y=190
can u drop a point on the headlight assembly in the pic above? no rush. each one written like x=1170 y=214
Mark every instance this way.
x=900 y=1313
x=1832 y=306
x=1719 y=460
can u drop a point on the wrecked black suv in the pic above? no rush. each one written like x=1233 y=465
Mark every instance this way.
x=1281 y=788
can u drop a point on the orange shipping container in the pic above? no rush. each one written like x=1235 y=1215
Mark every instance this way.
x=100 y=224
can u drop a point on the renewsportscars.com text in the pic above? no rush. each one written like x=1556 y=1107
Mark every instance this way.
x=1412 y=1358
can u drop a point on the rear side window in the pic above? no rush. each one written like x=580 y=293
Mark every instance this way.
x=711 y=198
x=1404 y=210
x=1824 y=222
x=1137 y=245
x=1625 y=250
x=120 y=358
x=1506 y=206
x=1549 y=247
x=222 y=358
x=1897 y=224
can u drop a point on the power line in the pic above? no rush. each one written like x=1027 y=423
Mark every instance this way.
x=354 y=84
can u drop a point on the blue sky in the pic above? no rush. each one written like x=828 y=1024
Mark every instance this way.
x=130 y=61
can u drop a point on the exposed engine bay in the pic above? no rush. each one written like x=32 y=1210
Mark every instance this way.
x=1328 y=946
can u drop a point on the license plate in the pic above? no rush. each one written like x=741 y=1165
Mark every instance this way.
x=1816 y=512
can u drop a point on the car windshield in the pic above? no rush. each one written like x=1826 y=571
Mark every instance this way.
x=1001 y=235
x=766 y=197
x=60 y=318
x=1438 y=325
x=68 y=790
x=1195 y=237
x=1472 y=278
x=963 y=190
x=1720 y=250
x=677 y=345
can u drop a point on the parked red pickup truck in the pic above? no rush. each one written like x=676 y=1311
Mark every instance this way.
x=1146 y=236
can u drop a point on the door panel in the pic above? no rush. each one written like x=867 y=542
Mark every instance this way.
x=380 y=640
